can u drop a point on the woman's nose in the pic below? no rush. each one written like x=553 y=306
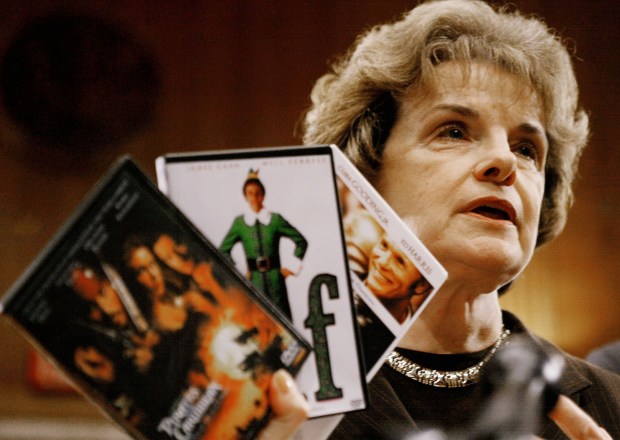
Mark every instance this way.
x=498 y=164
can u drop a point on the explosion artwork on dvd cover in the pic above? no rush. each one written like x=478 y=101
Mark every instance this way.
x=150 y=322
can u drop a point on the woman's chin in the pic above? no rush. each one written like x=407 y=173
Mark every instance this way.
x=488 y=269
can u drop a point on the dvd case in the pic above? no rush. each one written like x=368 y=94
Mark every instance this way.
x=149 y=321
x=393 y=275
x=275 y=212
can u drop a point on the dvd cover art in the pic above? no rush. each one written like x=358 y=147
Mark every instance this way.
x=150 y=321
x=260 y=232
x=393 y=275
x=275 y=212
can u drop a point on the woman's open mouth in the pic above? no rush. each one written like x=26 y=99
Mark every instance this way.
x=493 y=209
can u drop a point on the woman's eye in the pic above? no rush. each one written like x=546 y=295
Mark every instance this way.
x=526 y=150
x=453 y=133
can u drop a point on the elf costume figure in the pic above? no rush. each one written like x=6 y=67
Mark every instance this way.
x=260 y=232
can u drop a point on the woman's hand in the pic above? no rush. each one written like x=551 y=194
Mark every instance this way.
x=575 y=423
x=289 y=407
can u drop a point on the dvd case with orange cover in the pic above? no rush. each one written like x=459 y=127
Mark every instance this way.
x=148 y=319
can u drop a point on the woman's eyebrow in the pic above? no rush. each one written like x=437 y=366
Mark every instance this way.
x=536 y=131
x=532 y=129
x=455 y=108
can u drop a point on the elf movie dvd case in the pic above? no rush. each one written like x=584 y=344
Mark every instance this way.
x=275 y=212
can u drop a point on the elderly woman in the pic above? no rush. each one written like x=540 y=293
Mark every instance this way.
x=466 y=119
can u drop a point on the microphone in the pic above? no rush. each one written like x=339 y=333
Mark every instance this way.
x=521 y=380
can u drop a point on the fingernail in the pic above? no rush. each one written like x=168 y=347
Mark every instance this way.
x=284 y=381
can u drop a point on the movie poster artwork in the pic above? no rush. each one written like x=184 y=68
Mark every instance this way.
x=393 y=274
x=148 y=320
x=275 y=213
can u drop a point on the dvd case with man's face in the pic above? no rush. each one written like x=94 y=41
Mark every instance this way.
x=148 y=319
x=394 y=275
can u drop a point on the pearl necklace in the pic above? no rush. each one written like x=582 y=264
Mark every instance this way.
x=443 y=379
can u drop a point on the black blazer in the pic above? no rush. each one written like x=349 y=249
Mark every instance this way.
x=595 y=390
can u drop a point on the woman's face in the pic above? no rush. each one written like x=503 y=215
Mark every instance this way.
x=464 y=167
x=109 y=301
x=390 y=272
x=173 y=254
x=94 y=364
x=148 y=271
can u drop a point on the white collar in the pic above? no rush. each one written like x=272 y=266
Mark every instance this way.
x=250 y=217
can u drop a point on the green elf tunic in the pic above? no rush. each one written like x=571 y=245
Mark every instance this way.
x=260 y=236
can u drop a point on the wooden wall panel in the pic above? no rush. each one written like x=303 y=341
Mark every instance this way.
x=238 y=74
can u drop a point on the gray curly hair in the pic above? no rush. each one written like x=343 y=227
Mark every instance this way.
x=355 y=104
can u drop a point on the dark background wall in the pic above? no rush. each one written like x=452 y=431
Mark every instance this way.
x=83 y=82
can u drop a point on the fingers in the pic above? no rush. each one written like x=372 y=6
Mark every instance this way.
x=575 y=423
x=289 y=407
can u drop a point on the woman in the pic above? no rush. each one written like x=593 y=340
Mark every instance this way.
x=467 y=121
